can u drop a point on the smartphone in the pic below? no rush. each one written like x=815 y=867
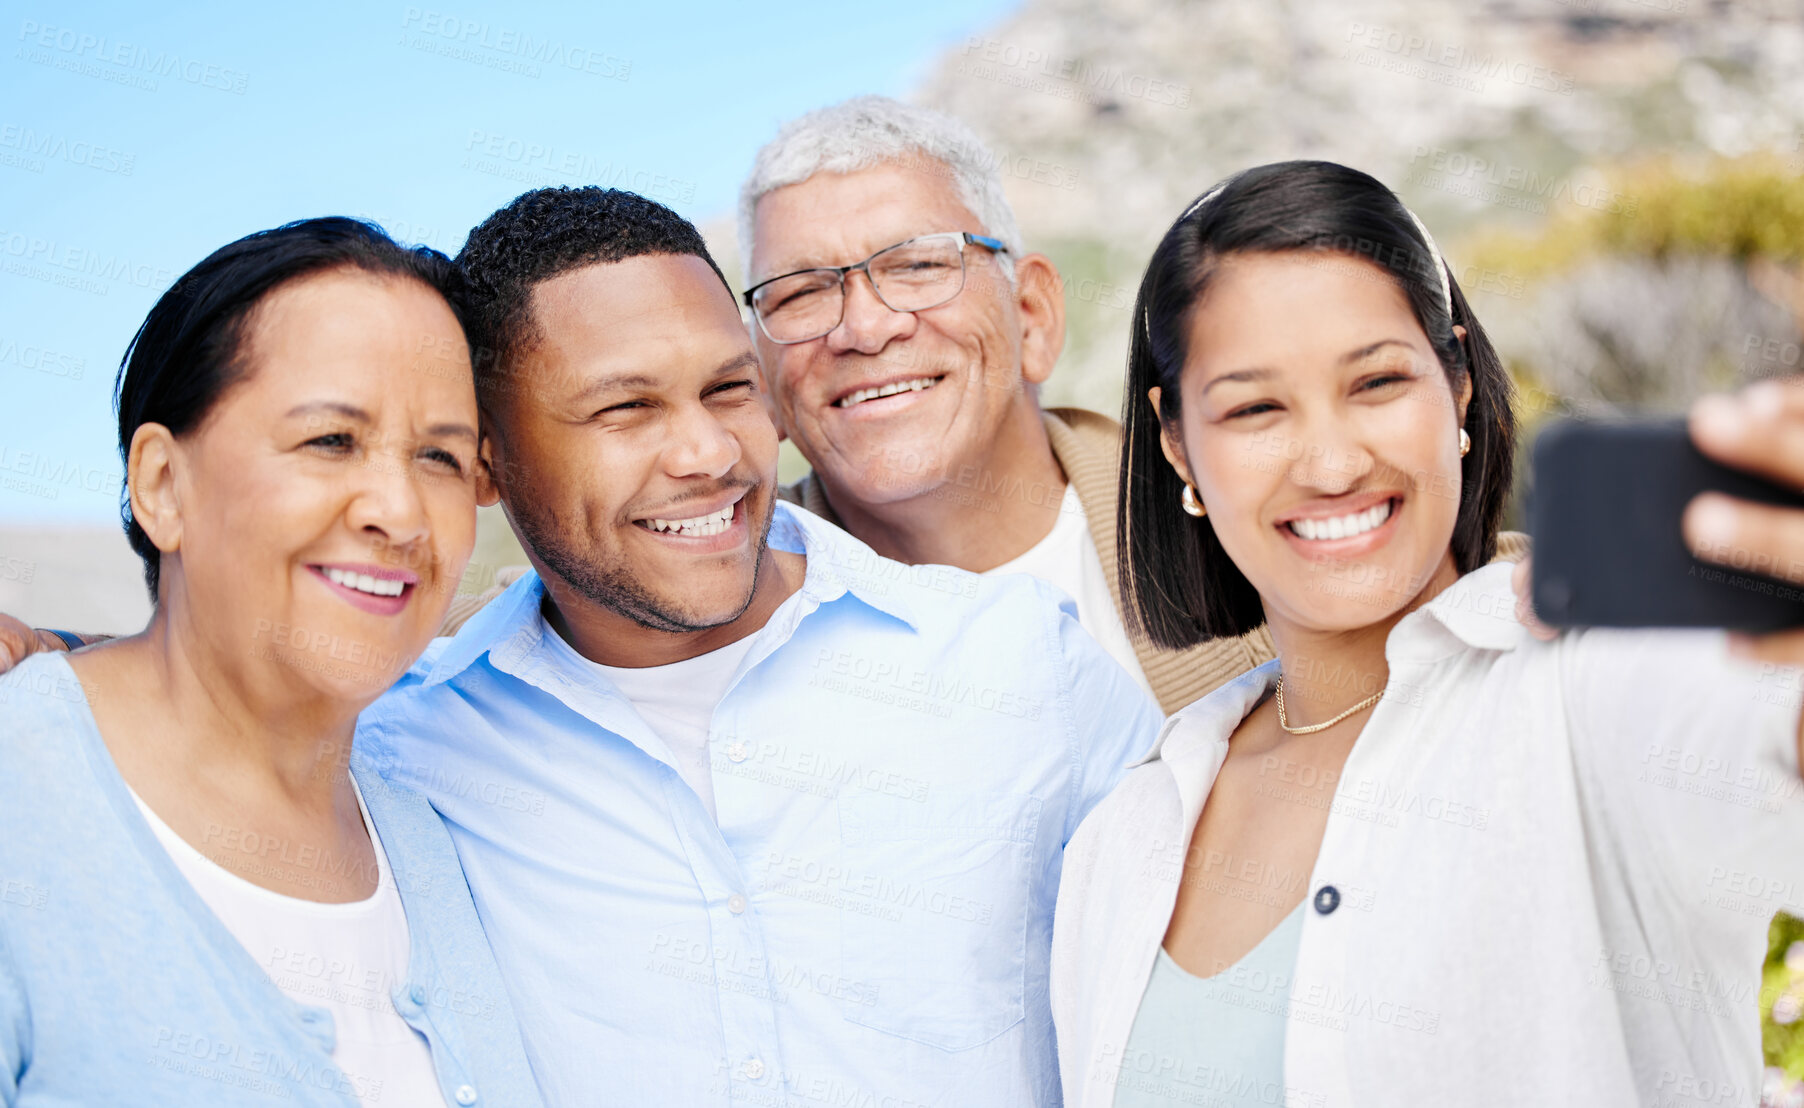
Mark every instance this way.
x=1604 y=511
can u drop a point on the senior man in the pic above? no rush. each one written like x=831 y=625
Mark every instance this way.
x=905 y=331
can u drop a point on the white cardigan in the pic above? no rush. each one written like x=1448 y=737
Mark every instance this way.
x=1553 y=865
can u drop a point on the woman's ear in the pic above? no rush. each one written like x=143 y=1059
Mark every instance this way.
x=1173 y=451
x=152 y=473
x=1462 y=396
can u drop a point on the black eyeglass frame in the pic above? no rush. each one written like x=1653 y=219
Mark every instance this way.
x=965 y=238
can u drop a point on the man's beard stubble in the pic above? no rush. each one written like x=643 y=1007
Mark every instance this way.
x=618 y=588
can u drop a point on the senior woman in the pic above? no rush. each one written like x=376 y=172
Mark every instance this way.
x=209 y=899
x=1421 y=857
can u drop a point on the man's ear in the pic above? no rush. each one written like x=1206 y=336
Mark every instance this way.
x=768 y=397
x=1174 y=452
x=153 y=464
x=1040 y=305
x=488 y=490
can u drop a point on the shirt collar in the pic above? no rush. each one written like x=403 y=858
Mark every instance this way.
x=1213 y=717
x=838 y=565
x=1193 y=744
x=1476 y=612
x=511 y=618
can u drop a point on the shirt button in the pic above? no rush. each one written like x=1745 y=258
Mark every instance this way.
x=736 y=751
x=1327 y=899
x=754 y=1069
x=417 y=994
x=736 y=903
x=465 y=1095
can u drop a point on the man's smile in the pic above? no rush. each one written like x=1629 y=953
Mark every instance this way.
x=713 y=524
x=868 y=393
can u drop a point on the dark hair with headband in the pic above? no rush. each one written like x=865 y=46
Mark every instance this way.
x=1178 y=584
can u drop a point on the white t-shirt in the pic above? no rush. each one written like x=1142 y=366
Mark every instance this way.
x=677 y=702
x=345 y=958
x=1067 y=557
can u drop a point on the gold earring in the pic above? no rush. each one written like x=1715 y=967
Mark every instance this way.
x=1192 y=506
x=1465 y=443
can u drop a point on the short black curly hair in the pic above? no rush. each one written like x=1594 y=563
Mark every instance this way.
x=545 y=233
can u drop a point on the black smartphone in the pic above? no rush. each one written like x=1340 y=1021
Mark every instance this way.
x=1604 y=510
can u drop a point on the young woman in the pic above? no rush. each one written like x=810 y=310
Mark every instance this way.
x=205 y=897
x=1421 y=857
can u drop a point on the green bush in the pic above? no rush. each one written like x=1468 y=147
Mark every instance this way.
x=1783 y=977
x=1742 y=208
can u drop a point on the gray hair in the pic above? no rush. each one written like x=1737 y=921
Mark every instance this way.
x=865 y=131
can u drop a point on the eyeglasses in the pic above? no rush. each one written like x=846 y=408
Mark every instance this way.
x=910 y=276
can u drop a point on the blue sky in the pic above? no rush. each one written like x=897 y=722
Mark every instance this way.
x=135 y=139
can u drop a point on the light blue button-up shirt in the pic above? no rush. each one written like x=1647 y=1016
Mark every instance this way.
x=897 y=766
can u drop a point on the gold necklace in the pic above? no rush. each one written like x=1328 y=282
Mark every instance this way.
x=1314 y=727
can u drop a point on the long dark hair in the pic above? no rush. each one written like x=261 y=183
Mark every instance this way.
x=190 y=348
x=1179 y=586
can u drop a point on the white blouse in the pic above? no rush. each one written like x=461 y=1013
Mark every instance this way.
x=1546 y=876
x=346 y=958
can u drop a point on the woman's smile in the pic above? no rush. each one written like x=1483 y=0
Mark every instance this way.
x=379 y=590
x=1344 y=526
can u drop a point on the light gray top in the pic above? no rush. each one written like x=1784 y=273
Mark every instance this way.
x=1213 y=1040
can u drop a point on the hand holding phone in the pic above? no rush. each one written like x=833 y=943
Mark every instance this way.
x=1610 y=550
x=1760 y=429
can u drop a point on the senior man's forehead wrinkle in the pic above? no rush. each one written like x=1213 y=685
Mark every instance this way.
x=846 y=216
x=855 y=249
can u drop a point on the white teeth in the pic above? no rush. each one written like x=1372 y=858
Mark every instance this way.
x=1341 y=527
x=363 y=582
x=700 y=526
x=862 y=395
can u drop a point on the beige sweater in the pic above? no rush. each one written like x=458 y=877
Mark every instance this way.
x=1088 y=448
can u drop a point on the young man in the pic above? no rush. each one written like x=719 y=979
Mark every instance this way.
x=751 y=814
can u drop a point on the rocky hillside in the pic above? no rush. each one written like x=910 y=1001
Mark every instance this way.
x=1109 y=117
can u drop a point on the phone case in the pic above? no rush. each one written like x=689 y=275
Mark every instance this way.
x=1604 y=511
